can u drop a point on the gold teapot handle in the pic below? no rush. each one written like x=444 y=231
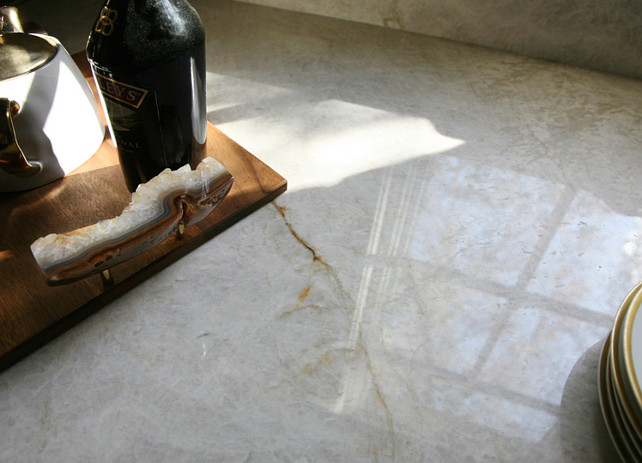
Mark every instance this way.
x=12 y=159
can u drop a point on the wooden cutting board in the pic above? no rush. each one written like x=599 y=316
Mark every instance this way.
x=31 y=312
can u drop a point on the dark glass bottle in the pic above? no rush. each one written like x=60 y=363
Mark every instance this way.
x=148 y=60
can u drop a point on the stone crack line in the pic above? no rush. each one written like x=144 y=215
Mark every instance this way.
x=315 y=257
x=381 y=398
x=301 y=297
x=357 y=343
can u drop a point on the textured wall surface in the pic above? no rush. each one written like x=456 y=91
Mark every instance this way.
x=598 y=34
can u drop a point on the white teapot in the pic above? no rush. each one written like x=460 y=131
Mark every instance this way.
x=50 y=122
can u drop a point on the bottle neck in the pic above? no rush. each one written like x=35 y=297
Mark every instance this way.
x=137 y=34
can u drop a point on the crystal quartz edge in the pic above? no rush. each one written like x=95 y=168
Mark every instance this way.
x=157 y=208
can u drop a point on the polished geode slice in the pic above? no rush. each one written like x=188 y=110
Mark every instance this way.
x=159 y=208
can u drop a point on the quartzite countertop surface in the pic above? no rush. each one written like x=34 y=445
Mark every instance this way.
x=460 y=227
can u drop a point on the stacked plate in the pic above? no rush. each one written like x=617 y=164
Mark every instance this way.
x=620 y=376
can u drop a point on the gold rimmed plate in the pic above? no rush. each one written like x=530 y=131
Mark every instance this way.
x=606 y=400
x=625 y=427
x=630 y=354
x=615 y=358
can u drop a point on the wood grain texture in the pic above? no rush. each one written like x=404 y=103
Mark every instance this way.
x=31 y=312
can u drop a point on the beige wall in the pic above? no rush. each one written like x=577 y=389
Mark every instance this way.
x=598 y=34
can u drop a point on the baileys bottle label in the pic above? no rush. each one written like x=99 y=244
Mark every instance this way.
x=119 y=91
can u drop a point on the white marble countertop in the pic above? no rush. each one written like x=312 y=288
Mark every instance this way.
x=436 y=284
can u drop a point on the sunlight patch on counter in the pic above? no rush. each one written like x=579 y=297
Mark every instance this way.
x=359 y=139
x=316 y=142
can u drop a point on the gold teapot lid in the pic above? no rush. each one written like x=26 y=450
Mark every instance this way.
x=22 y=53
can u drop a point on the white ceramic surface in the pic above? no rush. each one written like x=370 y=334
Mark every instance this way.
x=59 y=124
x=460 y=228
